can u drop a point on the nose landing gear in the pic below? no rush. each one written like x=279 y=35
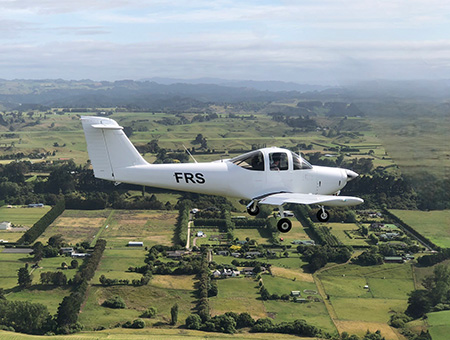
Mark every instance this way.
x=284 y=225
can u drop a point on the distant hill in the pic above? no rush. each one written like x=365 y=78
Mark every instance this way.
x=128 y=93
x=272 y=86
x=177 y=94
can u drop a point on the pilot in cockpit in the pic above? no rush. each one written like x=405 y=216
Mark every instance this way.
x=275 y=164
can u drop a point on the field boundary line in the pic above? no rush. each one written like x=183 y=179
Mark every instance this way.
x=105 y=224
x=326 y=301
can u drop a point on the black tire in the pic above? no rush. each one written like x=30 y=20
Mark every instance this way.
x=323 y=215
x=253 y=210
x=284 y=225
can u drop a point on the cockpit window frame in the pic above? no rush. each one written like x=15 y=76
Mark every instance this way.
x=302 y=164
x=249 y=161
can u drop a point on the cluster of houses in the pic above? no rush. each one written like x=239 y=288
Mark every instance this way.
x=247 y=255
x=69 y=251
x=225 y=273
x=370 y=213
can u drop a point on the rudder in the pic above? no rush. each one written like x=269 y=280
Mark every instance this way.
x=108 y=147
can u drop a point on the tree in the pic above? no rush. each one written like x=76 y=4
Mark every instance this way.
x=174 y=314
x=55 y=241
x=193 y=321
x=74 y=264
x=418 y=303
x=38 y=251
x=24 y=278
x=244 y=320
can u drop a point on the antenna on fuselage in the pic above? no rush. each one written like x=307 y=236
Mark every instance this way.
x=185 y=148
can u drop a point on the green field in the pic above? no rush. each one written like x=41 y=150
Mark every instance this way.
x=432 y=224
x=20 y=216
x=418 y=144
x=388 y=288
x=151 y=227
x=137 y=300
x=342 y=232
x=150 y=333
x=439 y=325
x=367 y=310
x=239 y=295
x=9 y=265
x=115 y=264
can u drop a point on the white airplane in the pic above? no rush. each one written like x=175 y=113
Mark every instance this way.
x=271 y=176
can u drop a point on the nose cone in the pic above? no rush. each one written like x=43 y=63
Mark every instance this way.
x=351 y=175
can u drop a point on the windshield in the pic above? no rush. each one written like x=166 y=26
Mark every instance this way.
x=300 y=163
x=250 y=161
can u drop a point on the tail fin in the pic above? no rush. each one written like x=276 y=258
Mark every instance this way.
x=108 y=147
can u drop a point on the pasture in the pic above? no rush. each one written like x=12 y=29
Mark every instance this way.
x=76 y=226
x=11 y=235
x=314 y=313
x=115 y=263
x=388 y=288
x=149 y=333
x=151 y=227
x=238 y=295
x=347 y=234
x=431 y=224
x=417 y=145
x=137 y=300
x=261 y=236
x=22 y=216
x=439 y=325
x=49 y=296
x=9 y=265
x=280 y=285
x=366 y=310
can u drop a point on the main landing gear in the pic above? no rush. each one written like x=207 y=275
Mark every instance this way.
x=323 y=215
x=253 y=208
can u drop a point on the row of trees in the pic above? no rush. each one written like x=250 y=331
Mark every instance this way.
x=39 y=227
x=67 y=315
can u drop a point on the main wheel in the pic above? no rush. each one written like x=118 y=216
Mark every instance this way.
x=253 y=210
x=323 y=215
x=284 y=225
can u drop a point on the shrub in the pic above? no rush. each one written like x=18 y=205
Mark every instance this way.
x=149 y=313
x=114 y=302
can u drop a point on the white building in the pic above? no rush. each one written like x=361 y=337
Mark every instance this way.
x=5 y=225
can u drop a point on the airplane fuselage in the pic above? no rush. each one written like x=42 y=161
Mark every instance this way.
x=228 y=179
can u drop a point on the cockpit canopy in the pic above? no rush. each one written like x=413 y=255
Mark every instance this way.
x=251 y=161
x=278 y=160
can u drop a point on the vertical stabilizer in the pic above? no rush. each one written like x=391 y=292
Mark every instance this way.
x=108 y=147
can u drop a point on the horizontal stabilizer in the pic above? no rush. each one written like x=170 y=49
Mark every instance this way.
x=329 y=200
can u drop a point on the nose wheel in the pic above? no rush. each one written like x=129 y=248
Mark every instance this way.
x=323 y=215
x=284 y=225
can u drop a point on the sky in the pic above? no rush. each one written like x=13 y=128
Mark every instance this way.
x=326 y=42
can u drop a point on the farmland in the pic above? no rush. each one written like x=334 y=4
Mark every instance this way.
x=431 y=224
x=342 y=302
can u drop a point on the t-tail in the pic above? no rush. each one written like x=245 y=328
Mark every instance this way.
x=108 y=147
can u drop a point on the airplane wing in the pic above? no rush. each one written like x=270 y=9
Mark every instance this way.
x=329 y=200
